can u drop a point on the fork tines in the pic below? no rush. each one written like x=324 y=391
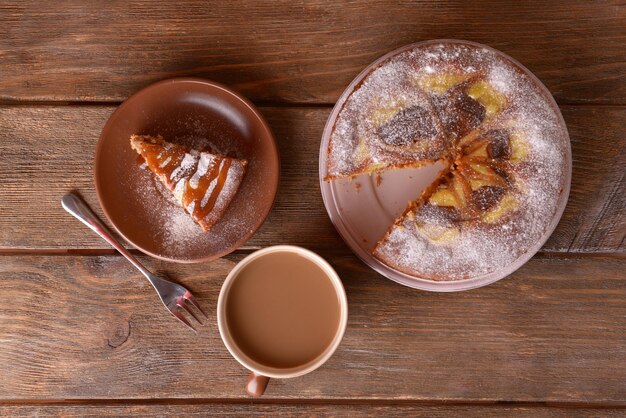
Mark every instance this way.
x=185 y=303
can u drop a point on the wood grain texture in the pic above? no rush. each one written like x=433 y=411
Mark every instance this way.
x=47 y=151
x=292 y=51
x=79 y=327
x=595 y=217
x=264 y=410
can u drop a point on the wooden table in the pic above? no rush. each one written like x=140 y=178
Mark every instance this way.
x=81 y=332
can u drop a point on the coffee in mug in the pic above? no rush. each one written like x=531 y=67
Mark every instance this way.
x=282 y=312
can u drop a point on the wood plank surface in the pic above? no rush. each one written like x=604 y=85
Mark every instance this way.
x=46 y=151
x=85 y=335
x=292 y=51
x=81 y=327
x=264 y=410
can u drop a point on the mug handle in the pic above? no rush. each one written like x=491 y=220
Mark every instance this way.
x=256 y=384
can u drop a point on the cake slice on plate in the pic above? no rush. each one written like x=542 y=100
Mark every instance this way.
x=203 y=183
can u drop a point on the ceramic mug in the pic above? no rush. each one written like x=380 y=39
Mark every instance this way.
x=260 y=373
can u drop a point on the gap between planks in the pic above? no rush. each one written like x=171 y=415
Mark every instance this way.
x=257 y=103
x=304 y=401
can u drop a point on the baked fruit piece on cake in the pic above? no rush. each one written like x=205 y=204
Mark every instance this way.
x=204 y=184
x=462 y=101
x=384 y=124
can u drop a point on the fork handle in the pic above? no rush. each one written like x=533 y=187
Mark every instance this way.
x=79 y=209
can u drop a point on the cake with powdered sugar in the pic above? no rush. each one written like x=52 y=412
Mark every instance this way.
x=202 y=183
x=499 y=136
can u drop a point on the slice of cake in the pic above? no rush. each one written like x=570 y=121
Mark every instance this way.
x=387 y=123
x=204 y=184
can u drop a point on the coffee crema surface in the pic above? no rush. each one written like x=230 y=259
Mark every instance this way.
x=282 y=310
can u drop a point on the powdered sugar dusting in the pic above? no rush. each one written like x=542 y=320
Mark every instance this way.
x=212 y=184
x=188 y=162
x=165 y=162
x=206 y=160
x=173 y=226
x=179 y=228
x=179 y=189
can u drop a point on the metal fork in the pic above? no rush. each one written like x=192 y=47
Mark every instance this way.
x=174 y=296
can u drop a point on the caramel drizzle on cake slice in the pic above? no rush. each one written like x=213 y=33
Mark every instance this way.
x=198 y=180
x=207 y=190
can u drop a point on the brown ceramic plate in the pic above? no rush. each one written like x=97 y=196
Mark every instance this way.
x=200 y=114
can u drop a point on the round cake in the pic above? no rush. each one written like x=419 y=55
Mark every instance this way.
x=499 y=135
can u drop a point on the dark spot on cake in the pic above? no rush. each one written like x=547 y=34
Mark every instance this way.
x=470 y=114
x=408 y=126
x=459 y=113
x=499 y=146
x=487 y=197
x=503 y=174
